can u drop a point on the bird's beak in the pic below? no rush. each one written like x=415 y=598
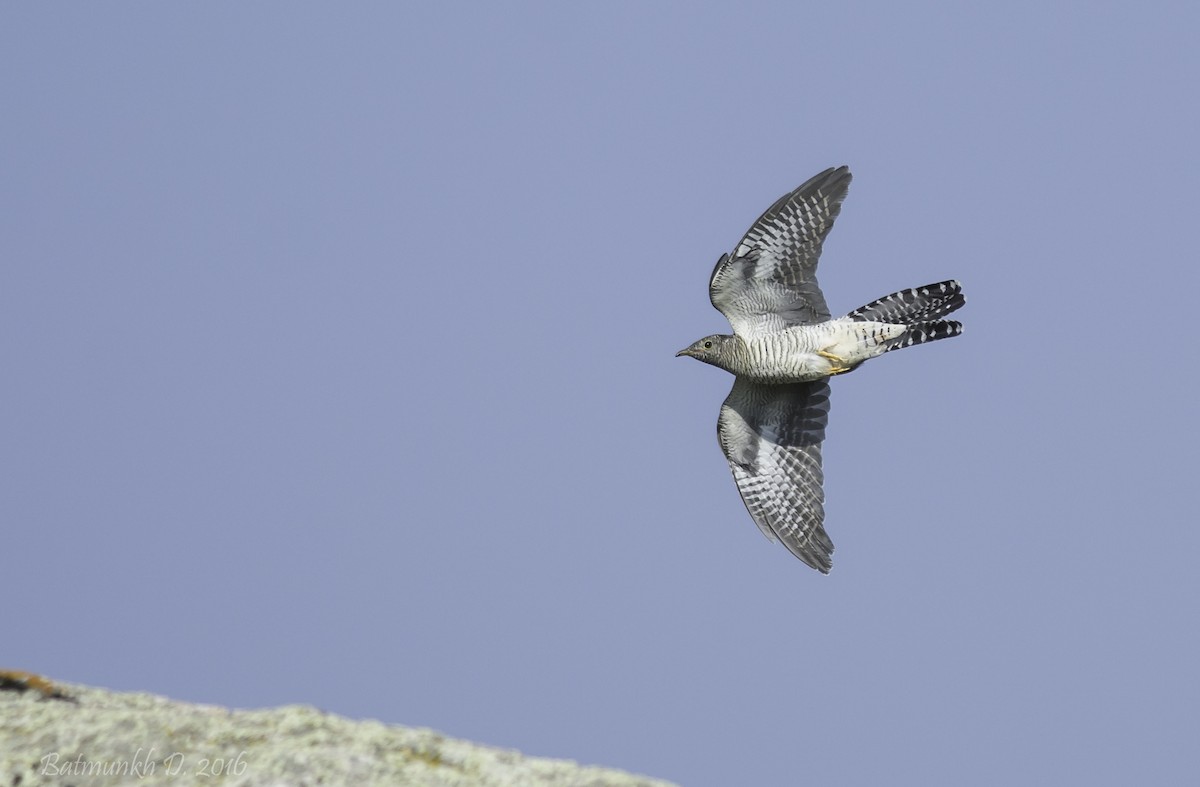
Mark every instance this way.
x=684 y=351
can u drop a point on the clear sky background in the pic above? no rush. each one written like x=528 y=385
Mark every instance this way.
x=336 y=346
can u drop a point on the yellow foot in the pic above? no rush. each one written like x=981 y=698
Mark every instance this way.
x=839 y=363
x=19 y=680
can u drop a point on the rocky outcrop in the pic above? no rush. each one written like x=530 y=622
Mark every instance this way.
x=64 y=734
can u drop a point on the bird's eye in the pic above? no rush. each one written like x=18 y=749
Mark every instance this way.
x=708 y=345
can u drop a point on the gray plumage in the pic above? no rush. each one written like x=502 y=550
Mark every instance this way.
x=784 y=348
x=772 y=435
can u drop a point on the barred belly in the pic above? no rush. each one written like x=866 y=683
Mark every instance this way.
x=790 y=356
x=786 y=357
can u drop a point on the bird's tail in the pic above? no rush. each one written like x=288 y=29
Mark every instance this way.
x=910 y=307
x=919 y=308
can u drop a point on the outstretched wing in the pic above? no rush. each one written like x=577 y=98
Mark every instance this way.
x=771 y=435
x=769 y=282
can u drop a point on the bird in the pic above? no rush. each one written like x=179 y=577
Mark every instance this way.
x=784 y=349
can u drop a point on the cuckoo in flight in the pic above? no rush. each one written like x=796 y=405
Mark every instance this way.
x=784 y=349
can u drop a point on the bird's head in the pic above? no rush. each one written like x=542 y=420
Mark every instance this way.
x=716 y=349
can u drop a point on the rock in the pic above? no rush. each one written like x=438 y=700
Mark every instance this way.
x=88 y=737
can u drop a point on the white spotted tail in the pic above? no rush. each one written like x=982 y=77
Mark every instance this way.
x=918 y=308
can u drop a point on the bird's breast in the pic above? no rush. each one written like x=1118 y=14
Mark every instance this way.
x=784 y=357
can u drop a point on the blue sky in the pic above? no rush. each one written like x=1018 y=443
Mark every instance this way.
x=338 y=370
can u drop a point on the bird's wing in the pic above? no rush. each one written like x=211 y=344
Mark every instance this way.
x=769 y=282
x=771 y=435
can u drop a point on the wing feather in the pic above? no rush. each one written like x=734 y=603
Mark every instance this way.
x=772 y=435
x=769 y=282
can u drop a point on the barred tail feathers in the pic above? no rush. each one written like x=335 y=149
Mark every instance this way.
x=916 y=306
x=922 y=332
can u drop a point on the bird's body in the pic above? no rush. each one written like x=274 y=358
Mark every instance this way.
x=794 y=355
x=785 y=347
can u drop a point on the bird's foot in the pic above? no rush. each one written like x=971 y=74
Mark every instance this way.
x=838 y=363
